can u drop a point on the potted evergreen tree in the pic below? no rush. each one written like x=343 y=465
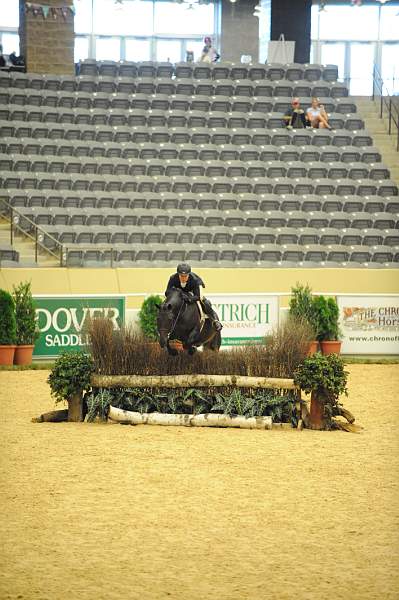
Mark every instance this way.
x=7 y=328
x=326 y=314
x=301 y=308
x=148 y=317
x=27 y=330
x=325 y=378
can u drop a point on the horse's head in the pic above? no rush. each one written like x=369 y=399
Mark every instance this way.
x=167 y=313
x=173 y=300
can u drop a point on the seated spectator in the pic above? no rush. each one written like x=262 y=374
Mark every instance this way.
x=2 y=58
x=295 y=116
x=209 y=53
x=17 y=61
x=317 y=116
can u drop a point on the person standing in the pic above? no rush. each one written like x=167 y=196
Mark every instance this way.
x=209 y=53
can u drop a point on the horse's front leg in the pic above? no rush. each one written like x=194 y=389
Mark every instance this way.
x=192 y=340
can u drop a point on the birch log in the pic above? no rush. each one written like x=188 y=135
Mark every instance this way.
x=184 y=381
x=204 y=420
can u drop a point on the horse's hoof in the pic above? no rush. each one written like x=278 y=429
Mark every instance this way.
x=192 y=350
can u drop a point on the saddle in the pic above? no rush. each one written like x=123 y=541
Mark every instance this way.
x=203 y=316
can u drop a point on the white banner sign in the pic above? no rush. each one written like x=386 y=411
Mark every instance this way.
x=370 y=325
x=246 y=319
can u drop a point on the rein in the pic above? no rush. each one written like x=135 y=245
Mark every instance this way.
x=177 y=318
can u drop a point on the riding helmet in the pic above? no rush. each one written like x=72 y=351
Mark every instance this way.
x=183 y=269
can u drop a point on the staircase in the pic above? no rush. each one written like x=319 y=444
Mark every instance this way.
x=26 y=249
x=369 y=110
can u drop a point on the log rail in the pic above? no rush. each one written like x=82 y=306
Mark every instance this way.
x=186 y=381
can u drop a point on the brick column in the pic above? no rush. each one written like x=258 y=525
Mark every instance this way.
x=47 y=43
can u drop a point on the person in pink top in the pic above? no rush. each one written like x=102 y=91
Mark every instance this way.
x=209 y=53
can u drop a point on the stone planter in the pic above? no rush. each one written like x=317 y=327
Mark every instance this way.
x=7 y=354
x=23 y=354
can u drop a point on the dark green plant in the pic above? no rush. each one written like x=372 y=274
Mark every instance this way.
x=257 y=403
x=148 y=317
x=324 y=375
x=301 y=305
x=98 y=403
x=320 y=372
x=7 y=319
x=278 y=404
x=27 y=329
x=326 y=316
x=70 y=375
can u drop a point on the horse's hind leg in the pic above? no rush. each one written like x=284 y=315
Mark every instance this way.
x=216 y=342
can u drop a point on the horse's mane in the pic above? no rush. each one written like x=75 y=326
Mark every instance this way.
x=175 y=289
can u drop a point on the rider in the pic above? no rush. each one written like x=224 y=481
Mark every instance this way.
x=184 y=279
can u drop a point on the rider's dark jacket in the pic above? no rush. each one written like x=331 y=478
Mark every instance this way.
x=192 y=285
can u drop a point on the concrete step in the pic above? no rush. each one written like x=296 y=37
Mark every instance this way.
x=386 y=140
x=25 y=247
x=392 y=157
x=375 y=124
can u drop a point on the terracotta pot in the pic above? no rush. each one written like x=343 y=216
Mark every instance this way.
x=7 y=355
x=313 y=347
x=23 y=354
x=331 y=347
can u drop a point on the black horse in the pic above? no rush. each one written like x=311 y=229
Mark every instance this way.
x=178 y=320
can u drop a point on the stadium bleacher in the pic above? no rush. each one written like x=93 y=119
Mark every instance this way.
x=135 y=164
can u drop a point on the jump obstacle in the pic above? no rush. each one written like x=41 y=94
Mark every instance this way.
x=313 y=419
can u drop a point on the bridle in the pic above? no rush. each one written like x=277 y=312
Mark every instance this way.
x=177 y=318
x=171 y=330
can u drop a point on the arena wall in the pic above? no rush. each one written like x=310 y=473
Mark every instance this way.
x=146 y=281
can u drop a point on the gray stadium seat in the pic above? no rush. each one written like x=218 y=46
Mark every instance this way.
x=275 y=71
x=127 y=69
x=257 y=71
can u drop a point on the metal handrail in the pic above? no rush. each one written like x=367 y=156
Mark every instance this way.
x=38 y=234
x=386 y=101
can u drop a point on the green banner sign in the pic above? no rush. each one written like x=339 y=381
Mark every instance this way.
x=62 y=321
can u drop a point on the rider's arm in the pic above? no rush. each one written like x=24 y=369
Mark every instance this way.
x=196 y=294
x=170 y=285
